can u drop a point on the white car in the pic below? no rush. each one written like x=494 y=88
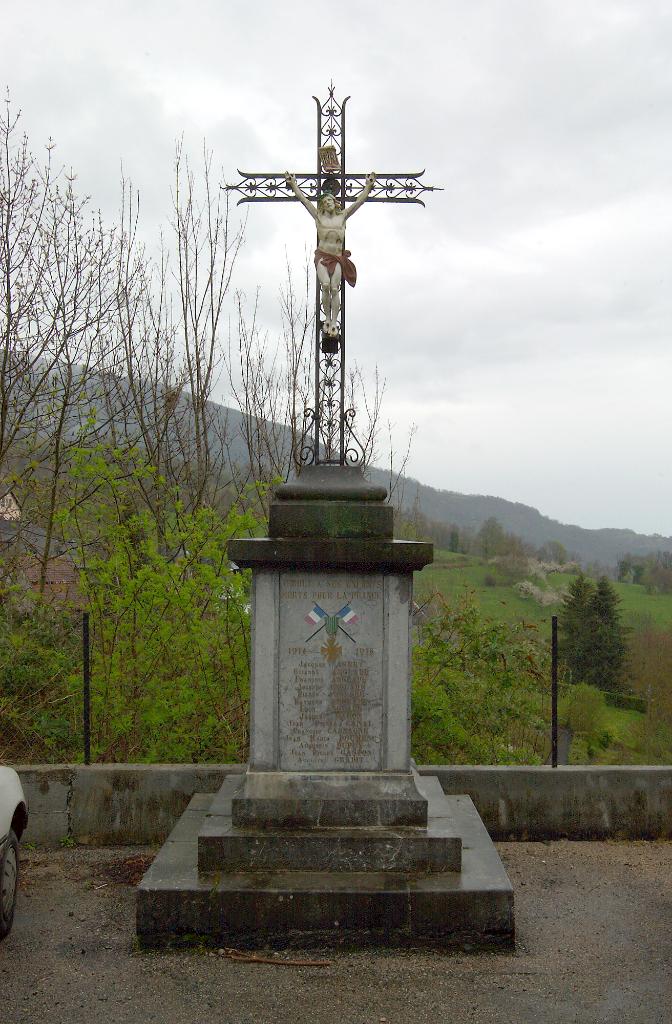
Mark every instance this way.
x=13 y=821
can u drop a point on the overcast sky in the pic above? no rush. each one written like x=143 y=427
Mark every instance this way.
x=522 y=320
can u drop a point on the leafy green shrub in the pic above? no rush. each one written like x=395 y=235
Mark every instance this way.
x=583 y=709
x=652 y=740
x=628 y=701
x=478 y=689
x=39 y=657
x=169 y=630
x=170 y=670
x=511 y=568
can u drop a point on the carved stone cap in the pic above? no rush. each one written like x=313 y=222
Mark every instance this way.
x=356 y=555
x=346 y=519
x=331 y=483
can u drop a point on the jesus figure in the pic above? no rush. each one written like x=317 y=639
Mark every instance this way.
x=332 y=259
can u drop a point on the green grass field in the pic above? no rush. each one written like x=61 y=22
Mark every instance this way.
x=624 y=744
x=452 y=575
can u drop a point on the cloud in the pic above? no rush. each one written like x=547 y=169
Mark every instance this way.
x=523 y=319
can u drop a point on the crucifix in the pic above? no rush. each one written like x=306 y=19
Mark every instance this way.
x=331 y=195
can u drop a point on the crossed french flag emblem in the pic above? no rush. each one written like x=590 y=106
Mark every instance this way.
x=332 y=623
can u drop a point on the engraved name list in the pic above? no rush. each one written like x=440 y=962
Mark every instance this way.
x=331 y=686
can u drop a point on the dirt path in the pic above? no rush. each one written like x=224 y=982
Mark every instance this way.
x=594 y=946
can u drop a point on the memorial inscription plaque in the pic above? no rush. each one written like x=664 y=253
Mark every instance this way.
x=331 y=671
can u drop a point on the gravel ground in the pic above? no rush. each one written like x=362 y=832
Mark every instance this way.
x=594 y=923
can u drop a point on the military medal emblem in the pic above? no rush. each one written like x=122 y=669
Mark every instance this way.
x=331 y=650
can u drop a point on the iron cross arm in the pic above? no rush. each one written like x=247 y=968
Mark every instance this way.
x=389 y=188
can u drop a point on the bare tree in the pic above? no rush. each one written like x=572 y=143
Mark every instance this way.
x=207 y=248
x=272 y=382
x=31 y=337
x=169 y=318
x=58 y=294
x=104 y=347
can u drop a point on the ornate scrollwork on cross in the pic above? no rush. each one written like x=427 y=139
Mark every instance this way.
x=328 y=435
x=389 y=188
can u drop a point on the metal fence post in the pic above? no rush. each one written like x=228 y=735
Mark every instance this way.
x=554 y=691
x=86 y=661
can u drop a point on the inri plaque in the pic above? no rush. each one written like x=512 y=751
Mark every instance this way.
x=331 y=671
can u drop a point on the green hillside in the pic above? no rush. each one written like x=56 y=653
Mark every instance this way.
x=451 y=574
x=622 y=734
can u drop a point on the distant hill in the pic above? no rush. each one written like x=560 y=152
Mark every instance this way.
x=471 y=510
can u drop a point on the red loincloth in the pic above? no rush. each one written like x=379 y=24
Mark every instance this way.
x=329 y=260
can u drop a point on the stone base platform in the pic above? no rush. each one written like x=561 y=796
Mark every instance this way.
x=177 y=903
x=312 y=800
x=226 y=847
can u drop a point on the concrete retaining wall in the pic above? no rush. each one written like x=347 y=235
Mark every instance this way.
x=112 y=804
x=138 y=804
x=605 y=802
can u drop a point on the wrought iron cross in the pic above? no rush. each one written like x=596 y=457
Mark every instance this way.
x=328 y=435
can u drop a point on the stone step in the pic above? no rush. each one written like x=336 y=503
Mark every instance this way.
x=177 y=904
x=223 y=847
x=272 y=800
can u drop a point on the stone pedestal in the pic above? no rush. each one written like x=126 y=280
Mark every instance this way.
x=332 y=599
x=330 y=830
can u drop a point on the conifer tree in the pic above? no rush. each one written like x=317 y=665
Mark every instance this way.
x=592 y=636
x=575 y=622
x=608 y=638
